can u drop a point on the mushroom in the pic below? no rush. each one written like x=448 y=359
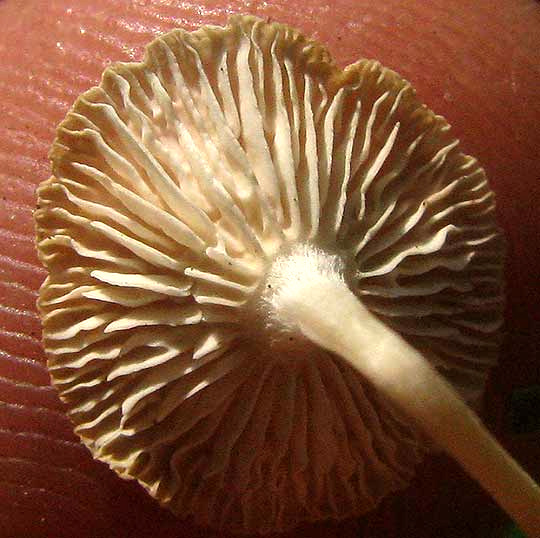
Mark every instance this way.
x=268 y=279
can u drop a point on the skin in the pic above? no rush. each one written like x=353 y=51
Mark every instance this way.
x=481 y=71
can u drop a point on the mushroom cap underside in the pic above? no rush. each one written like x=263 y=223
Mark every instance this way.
x=176 y=183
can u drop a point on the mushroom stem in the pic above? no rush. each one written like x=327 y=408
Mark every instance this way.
x=329 y=314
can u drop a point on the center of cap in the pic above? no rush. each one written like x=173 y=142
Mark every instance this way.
x=288 y=278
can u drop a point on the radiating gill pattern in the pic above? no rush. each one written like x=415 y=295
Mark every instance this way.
x=175 y=184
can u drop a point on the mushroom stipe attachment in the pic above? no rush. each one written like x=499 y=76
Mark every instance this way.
x=268 y=281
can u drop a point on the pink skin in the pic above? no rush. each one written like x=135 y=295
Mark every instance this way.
x=474 y=62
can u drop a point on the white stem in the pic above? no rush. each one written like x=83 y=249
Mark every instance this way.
x=329 y=314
